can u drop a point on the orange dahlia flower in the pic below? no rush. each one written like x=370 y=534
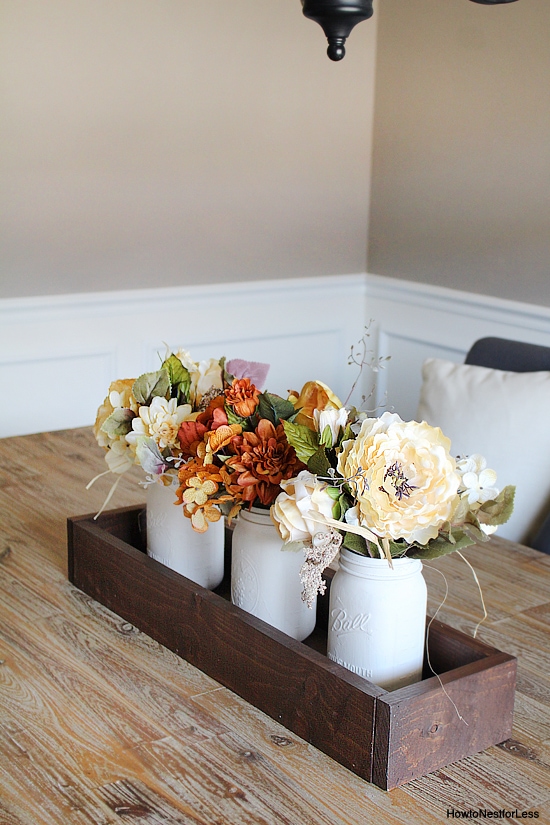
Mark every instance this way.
x=262 y=460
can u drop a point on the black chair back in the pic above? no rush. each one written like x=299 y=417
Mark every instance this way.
x=513 y=356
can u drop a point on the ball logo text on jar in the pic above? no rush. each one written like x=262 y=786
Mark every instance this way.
x=342 y=623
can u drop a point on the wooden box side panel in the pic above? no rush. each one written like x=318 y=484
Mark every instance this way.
x=421 y=733
x=450 y=648
x=297 y=686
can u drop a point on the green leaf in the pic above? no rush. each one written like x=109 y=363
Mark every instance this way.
x=461 y=512
x=233 y=418
x=151 y=384
x=179 y=377
x=319 y=463
x=119 y=422
x=326 y=437
x=345 y=504
x=345 y=435
x=397 y=549
x=499 y=510
x=355 y=543
x=275 y=408
x=341 y=505
x=442 y=545
x=304 y=440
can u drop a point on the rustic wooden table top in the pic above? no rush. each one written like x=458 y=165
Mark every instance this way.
x=100 y=724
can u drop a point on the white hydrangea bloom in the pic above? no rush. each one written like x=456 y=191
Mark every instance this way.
x=477 y=483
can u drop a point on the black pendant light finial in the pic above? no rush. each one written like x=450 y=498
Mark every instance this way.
x=337 y=18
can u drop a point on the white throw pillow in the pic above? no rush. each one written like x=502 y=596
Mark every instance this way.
x=505 y=416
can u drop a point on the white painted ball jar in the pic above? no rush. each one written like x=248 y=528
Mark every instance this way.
x=265 y=579
x=172 y=541
x=377 y=619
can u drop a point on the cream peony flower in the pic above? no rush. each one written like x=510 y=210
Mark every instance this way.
x=160 y=421
x=477 y=482
x=299 y=512
x=403 y=477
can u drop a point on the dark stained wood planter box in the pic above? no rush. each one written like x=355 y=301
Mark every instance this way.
x=387 y=738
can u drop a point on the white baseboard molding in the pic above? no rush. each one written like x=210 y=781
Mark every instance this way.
x=58 y=354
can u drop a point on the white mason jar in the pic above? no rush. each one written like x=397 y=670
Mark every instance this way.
x=265 y=579
x=377 y=619
x=172 y=541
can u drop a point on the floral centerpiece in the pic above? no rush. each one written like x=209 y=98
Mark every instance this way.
x=208 y=424
x=139 y=420
x=384 y=488
x=240 y=444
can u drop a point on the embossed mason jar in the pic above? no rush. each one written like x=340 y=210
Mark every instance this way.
x=377 y=619
x=172 y=541
x=265 y=579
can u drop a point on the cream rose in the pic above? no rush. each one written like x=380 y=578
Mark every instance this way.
x=204 y=375
x=207 y=375
x=301 y=509
x=403 y=477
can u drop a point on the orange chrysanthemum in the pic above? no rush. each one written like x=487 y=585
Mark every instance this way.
x=242 y=396
x=262 y=460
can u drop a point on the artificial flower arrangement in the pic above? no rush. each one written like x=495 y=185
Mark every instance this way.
x=240 y=445
x=382 y=487
x=139 y=421
x=209 y=425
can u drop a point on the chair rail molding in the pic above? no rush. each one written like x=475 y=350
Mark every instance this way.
x=59 y=353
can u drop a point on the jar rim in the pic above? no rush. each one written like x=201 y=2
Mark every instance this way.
x=360 y=565
x=256 y=514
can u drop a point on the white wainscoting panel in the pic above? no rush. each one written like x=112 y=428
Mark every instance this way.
x=58 y=354
x=412 y=322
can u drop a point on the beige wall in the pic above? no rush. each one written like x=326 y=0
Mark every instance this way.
x=165 y=142
x=461 y=174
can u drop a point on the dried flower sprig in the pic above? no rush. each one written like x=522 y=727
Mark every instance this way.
x=320 y=552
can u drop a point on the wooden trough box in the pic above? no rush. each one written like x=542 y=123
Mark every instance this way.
x=387 y=738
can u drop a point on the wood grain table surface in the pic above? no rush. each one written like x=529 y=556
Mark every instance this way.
x=100 y=724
